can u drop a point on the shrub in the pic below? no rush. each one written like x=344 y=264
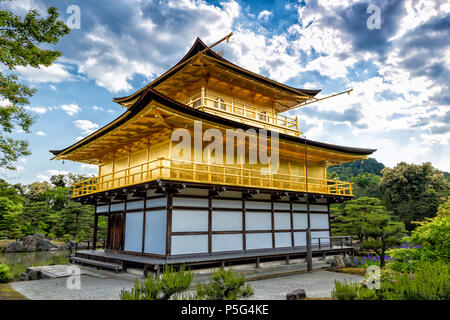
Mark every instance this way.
x=169 y=284
x=430 y=281
x=224 y=285
x=5 y=275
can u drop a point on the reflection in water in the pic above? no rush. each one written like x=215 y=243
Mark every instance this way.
x=19 y=261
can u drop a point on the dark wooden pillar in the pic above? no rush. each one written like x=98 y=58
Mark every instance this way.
x=291 y=212
x=272 y=218
x=144 y=221
x=169 y=224
x=108 y=234
x=210 y=222
x=244 y=240
x=94 y=240
x=308 y=238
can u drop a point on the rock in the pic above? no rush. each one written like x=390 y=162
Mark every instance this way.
x=339 y=261
x=298 y=294
x=30 y=242
x=44 y=245
x=31 y=275
x=347 y=261
x=15 y=246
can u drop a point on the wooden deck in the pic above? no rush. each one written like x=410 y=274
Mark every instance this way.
x=154 y=264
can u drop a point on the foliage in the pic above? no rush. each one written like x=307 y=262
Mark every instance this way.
x=349 y=170
x=369 y=260
x=367 y=185
x=169 y=284
x=19 y=43
x=5 y=275
x=413 y=191
x=369 y=221
x=76 y=220
x=224 y=285
x=428 y=242
x=431 y=281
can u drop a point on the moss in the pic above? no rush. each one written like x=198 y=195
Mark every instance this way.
x=357 y=271
x=8 y=293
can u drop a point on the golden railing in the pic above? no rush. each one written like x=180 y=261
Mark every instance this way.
x=244 y=112
x=236 y=175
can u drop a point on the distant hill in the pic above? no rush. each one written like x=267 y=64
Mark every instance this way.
x=348 y=170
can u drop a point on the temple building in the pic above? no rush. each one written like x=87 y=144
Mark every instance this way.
x=167 y=206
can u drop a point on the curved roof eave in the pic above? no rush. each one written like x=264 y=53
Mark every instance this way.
x=151 y=94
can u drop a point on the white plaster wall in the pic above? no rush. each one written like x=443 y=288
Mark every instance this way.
x=189 y=244
x=155 y=232
x=135 y=205
x=258 y=221
x=300 y=239
x=102 y=208
x=318 y=207
x=257 y=205
x=300 y=220
x=118 y=206
x=319 y=221
x=281 y=206
x=282 y=220
x=189 y=220
x=322 y=234
x=283 y=239
x=190 y=202
x=258 y=240
x=158 y=202
x=226 y=242
x=219 y=203
x=226 y=220
x=133 y=232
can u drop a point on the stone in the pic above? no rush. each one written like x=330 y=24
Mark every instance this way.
x=44 y=245
x=31 y=275
x=347 y=261
x=30 y=242
x=339 y=261
x=15 y=246
x=298 y=294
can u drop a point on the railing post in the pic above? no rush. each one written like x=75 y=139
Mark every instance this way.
x=319 y=243
x=308 y=250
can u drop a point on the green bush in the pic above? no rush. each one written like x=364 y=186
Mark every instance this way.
x=430 y=281
x=5 y=275
x=224 y=285
x=163 y=288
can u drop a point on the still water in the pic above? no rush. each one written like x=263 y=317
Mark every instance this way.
x=18 y=262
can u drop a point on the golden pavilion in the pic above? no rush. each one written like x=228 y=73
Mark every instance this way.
x=166 y=208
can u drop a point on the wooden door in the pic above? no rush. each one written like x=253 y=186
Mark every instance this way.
x=115 y=229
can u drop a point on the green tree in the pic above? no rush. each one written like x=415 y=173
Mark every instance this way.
x=169 y=284
x=10 y=224
x=413 y=192
x=367 y=219
x=19 y=46
x=36 y=214
x=77 y=220
x=349 y=170
x=367 y=185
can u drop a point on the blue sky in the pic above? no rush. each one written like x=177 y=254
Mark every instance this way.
x=399 y=73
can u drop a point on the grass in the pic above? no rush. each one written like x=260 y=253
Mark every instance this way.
x=356 y=271
x=8 y=293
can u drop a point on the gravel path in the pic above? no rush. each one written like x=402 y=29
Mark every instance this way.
x=318 y=284
x=92 y=288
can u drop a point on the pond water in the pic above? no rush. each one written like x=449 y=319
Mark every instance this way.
x=19 y=261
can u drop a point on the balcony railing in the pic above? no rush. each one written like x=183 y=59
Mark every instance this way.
x=243 y=112
x=179 y=170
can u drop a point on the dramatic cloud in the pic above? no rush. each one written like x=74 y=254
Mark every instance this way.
x=86 y=126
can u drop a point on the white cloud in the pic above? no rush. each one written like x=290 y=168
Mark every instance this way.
x=264 y=15
x=55 y=73
x=70 y=109
x=41 y=133
x=45 y=176
x=86 y=126
x=52 y=87
x=40 y=110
